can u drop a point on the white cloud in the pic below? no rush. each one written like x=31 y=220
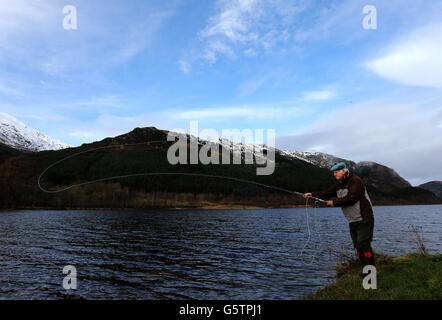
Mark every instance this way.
x=234 y=21
x=415 y=60
x=247 y=26
x=250 y=52
x=248 y=112
x=185 y=66
x=216 y=47
x=16 y=16
x=403 y=137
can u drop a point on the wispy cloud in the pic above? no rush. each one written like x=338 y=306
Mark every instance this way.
x=16 y=16
x=251 y=85
x=140 y=36
x=109 y=125
x=248 y=112
x=31 y=34
x=321 y=95
x=247 y=26
x=105 y=101
x=9 y=89
x=185 y=66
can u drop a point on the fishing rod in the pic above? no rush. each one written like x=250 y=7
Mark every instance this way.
x=311 y=197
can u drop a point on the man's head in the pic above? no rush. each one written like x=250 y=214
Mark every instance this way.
x=340 y=170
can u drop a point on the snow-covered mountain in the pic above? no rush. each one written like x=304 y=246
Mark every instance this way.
x=318 y=159
x=374 y=174
x=16 y=134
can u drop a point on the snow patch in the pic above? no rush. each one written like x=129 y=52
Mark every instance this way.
x=16 y=134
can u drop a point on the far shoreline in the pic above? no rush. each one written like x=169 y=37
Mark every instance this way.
x=202 y=207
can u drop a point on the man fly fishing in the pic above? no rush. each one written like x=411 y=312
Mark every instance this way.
x=350 y=194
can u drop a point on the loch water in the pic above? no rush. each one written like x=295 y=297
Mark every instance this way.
x=194 y=254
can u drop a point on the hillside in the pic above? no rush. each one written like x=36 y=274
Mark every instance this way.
x=433 y=186
x=411 y=277
x=380 y=177
x=123 y=170
x=7 y=152
x=131 y=154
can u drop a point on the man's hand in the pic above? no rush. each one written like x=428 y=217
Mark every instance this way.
x=307 y=195
x=330 y=203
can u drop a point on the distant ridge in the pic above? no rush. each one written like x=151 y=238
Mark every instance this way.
x=374 y=174
x=129 y=156
x=433 y=186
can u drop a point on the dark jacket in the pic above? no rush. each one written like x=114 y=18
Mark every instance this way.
x=352 y=196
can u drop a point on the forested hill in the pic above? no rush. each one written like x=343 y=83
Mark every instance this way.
x=144 y=151
x=433 y=186
x=7 y=152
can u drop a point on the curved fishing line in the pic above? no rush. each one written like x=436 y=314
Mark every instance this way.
x=308 y=229
x=152 y=173
x=86 y=151
x=309 y=234
x=176 y=174
x=164 y=173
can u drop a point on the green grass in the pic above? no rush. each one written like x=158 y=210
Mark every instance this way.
x=412 y=277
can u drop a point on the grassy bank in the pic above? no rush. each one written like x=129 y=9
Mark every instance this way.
x=414 y=276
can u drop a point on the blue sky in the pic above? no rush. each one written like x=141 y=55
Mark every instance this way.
x=307 y=69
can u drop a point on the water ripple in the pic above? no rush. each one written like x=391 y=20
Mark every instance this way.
x=239 y=254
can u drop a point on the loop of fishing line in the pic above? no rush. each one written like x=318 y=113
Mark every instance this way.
x=307 y=216
x=316 y=203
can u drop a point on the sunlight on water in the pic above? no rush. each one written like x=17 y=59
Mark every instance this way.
x=216 y=254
